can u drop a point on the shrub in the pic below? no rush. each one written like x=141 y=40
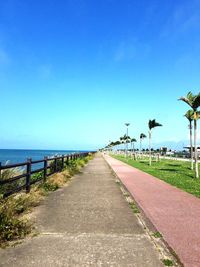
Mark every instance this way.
x=52 y=165
x=37 y=176
x=11 y=227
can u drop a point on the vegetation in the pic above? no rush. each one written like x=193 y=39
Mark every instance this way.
x=190 y=116
x=11 y=227
x=132 y=141
x=176 y=173
x=167 y=262
x=142 y=136
x=14 y=223
x=194 y=102
x=9 y=173
x=157 y=235
x=152 y=124
x=134 y=207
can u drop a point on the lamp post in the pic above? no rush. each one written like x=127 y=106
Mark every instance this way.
x=127 y=124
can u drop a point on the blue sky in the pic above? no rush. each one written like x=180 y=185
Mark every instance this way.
x=73 y=72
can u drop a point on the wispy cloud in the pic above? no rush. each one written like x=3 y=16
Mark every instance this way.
x=130 y=50
x=184 y=18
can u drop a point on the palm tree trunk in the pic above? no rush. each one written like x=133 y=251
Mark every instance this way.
x=150 y=147
x=140 y=145
x=195 y=147
x=191 y=147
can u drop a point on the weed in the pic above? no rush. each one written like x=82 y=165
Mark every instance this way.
x=167 y=262
x=50 y=187
x=134 y=207
x=157 y=235
x=11 y=227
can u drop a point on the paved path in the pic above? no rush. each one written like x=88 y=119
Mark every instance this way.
x=87 y=223
x=176 y=214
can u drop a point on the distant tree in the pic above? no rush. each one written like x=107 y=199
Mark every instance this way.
x=142 y=136
x=133 y=140
x=152 y=124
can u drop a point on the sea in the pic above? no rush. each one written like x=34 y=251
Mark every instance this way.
x=12 y=156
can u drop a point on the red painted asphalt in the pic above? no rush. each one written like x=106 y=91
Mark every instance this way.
x=174 y=213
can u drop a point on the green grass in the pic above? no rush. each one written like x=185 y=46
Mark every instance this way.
x=176 y=173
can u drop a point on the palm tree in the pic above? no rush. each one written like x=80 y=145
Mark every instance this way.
x=152 y=124
x=126 y=139
x=190 y=115
x=194 y=102
x=142 y=136
x=132 y=143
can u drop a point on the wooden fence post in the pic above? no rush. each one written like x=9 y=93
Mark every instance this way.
x=63 y=157
x=55 y=164
x=45 y=169
x=67 y=160
x=28 y=175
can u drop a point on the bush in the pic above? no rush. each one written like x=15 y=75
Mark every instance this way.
x=37 y=176
x=11 y=227
x=50 y=187
x=52 y=165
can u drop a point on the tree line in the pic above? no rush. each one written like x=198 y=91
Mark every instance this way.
x=192 y=116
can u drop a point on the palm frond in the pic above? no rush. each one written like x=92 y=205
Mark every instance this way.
x=196 y=101
x=189 y=115
x=153 y=123
x=133 y=140
x=142 y=136
x=192 y=100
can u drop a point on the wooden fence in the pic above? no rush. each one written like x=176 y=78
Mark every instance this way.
x=57 y=164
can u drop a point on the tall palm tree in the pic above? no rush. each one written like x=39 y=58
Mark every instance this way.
x=127 y=138
x=126 y=141
x=194 y=102
x=190 y=115
x=152 y=124
x=142 y=136
x=132 y=140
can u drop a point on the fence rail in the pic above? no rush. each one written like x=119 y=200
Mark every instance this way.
x=57 y=164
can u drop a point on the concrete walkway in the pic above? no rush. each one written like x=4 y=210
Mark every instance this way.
x=87 y=223
x=175 y=214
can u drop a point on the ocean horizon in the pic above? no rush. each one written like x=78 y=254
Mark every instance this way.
x=13 y=156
